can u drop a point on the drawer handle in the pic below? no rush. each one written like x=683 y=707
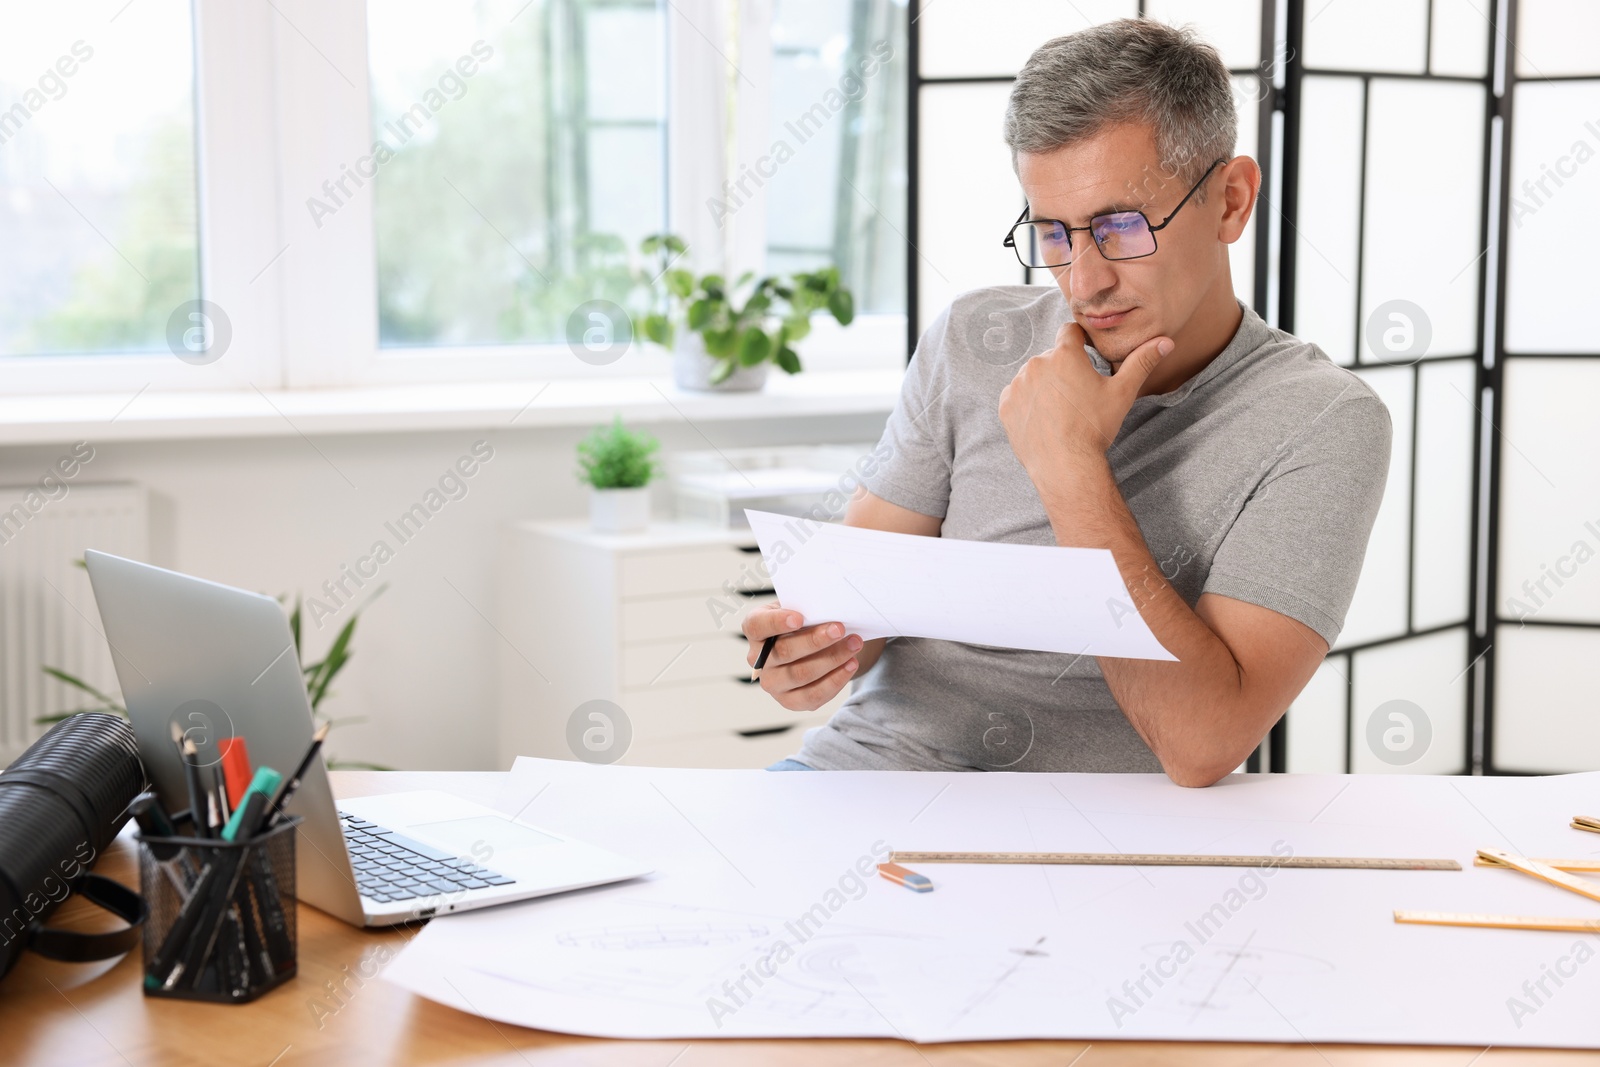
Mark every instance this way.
x=770 y=731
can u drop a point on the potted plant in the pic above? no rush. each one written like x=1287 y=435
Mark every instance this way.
x=724 y=336
x=618 y=464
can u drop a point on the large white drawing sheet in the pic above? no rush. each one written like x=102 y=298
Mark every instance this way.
x=882 y=584
x=758 y=922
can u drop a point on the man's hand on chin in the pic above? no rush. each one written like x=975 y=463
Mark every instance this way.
x=1060 y=409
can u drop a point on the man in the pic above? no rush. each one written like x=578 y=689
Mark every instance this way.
x=1233 y=470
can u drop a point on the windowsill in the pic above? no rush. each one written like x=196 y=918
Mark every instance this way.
x=391 y=409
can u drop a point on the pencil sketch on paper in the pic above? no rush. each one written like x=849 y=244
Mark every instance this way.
x=662 y=936
x=1224 y=981
x=683 y=956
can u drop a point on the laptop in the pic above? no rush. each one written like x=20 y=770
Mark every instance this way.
x=221 y=662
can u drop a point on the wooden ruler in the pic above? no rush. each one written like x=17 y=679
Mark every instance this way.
x=1158 y=859
x=1502 y=922
x=1560 y=865
x=1544 y=872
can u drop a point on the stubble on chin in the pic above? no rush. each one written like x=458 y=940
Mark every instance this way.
x=1114 y=352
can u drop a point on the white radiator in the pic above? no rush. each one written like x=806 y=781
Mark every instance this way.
x=47 y=610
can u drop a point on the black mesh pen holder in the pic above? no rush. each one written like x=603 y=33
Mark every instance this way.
x=222 y=915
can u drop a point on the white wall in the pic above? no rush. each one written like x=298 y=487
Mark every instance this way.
x=276 y=516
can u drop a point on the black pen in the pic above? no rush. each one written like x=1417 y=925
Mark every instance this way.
x=235 y=953
x=270 y=904
x=761 y=657
x=195 y=949
x=164 y=968
x=252 y=821
x=213 y=922
x=255 y=916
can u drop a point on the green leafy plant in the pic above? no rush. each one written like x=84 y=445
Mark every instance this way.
x=103 y=701
x=613 y=457
x=319 y=677
x=743 y=324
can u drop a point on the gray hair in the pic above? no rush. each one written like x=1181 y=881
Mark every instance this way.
x=1138 y=70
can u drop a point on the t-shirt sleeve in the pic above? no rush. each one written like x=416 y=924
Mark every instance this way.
x=1298 y=544
x=915 y=453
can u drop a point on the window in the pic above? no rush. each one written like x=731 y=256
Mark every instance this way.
x=838 y=105
x=415 y=191
x=528 y=158
x=98 y=211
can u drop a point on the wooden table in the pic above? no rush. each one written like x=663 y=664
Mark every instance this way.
x=94 y=1014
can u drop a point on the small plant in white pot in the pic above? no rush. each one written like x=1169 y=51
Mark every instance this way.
x=618 y=465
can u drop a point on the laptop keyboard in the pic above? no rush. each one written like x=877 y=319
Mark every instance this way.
x=390 y=866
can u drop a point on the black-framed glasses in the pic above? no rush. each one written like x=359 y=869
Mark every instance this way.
x=1118 y=234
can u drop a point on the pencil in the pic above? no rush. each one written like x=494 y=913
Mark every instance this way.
x=199 y=810
x=287 y=786
x=761 y=657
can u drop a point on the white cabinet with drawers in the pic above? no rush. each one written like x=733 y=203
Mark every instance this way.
x=648 y=621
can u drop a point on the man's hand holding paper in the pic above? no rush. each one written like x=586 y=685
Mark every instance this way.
x=880 y=584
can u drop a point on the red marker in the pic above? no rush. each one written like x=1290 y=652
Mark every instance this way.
x=236 y=770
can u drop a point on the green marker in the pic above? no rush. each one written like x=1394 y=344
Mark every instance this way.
x=265 y=782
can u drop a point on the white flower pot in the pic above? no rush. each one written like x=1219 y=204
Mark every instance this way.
x=691 y=368
x=619 y=510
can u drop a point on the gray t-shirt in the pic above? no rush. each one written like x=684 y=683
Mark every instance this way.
x=1257 y=479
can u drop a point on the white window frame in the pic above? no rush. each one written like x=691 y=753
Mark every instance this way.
x=282 y=105
x=237 y=217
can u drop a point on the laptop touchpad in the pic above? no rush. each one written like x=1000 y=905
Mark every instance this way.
x=468 y=837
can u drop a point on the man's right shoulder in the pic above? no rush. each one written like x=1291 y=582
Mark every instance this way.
x=1000 y=325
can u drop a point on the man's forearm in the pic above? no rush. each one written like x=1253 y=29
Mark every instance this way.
x=1188 y=712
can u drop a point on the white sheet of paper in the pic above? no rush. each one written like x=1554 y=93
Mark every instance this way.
x=882 y=584
x=758 y=924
